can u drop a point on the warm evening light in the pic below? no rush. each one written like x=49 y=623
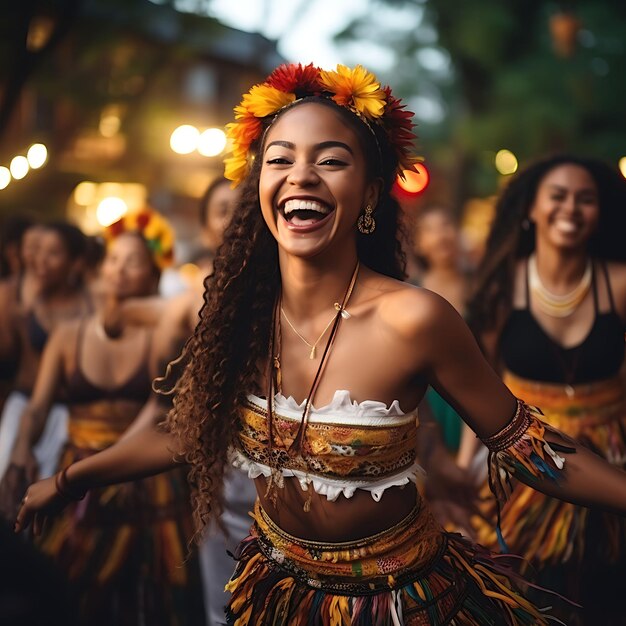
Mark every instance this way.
x=5 y=177
x=414 y=182
x=506 y=162
x=110 y=210
x=622 y=166
x=37 y=155
x=19 y=167
x=184 y=139
x=211 y=142
x=85 y=193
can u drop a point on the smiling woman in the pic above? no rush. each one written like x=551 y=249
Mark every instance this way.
x=340 y=535
x=552 y=299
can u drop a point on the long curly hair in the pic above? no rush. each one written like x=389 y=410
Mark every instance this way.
x=228 y=353
x=512 y=234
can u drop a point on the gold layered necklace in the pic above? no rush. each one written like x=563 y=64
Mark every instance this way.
x=557 y=305
x=340 y=308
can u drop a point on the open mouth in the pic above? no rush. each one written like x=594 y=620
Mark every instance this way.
x=302 y=213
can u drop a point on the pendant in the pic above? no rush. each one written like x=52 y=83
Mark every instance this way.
x=344 y=313
x=312 y=353
x=569 y=391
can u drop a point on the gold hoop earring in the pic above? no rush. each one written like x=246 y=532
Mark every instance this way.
x=367 y=223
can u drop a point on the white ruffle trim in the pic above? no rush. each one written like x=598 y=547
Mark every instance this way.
x=330 y=487
x=366 y=413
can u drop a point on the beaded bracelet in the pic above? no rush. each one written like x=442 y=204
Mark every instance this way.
x=513 y=431
x=63 y=488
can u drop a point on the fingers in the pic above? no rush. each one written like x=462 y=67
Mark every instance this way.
x=24 y=515
x=39 y=521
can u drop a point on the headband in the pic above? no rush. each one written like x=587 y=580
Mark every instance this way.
x=355 y=89
x=153 y=228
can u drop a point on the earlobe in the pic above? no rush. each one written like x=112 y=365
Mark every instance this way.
x=373 y=193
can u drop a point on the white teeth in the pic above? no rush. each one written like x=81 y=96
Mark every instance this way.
x=306 y=205
x=566 y=226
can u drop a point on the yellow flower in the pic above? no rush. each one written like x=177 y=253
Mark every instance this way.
x=357 y=88
x=236 y=167
x=264 y=100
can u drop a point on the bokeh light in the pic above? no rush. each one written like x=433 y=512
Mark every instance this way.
x=211 y=142
x=506 y=162
x=110 y=210
x=414 y=183
x=37 y=155
x=622 y=166
x=5 y=177
x=85 y=193
x=19 y=167
x=184 y=139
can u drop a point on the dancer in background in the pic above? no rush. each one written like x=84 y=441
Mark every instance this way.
x=305 y=368
x=551 y=310
x=123 y=548
x=60 y=295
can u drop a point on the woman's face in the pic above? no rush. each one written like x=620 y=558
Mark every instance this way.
x=52 y=264
x=219 y=213
x=566 y=210
x=313 y=183
x=437 y=239
x=30 y=244
x=127 y=269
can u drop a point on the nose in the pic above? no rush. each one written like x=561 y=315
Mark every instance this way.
x=302 y=174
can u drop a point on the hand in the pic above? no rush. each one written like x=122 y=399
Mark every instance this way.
x=42 y=500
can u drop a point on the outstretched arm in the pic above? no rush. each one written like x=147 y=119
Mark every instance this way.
x=147 y=451
x=461 y=375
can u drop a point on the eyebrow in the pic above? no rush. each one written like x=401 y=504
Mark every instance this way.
x=319 y=146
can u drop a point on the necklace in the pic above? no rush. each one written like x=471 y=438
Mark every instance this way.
x=340 y=308
x=558 y=305
x=274 y=379
x=312 y=346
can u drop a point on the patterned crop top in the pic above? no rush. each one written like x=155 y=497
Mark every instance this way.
x=347 y=446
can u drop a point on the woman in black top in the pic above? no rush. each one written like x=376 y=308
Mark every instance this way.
x=550 y=308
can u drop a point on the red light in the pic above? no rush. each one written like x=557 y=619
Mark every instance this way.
x=415 y=182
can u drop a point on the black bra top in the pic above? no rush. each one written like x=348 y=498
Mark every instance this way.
x=82 y=391
x=529 y=352
x=37 y=334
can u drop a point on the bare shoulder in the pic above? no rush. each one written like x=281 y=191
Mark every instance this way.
x=412 y=311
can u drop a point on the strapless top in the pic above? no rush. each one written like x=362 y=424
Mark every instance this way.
x=347 y=445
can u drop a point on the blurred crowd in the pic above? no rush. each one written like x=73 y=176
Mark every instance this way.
x=84 y=330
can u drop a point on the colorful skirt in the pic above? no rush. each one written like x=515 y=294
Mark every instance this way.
x=412 y=574
x=124 y=548
x=548 y=531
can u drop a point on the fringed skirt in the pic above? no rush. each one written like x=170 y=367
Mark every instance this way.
x=413 y=574
x=547 y=531
x=124 y=551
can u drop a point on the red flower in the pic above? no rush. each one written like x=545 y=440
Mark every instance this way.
x=113 y=230
x=142 y=220
x=292 y=78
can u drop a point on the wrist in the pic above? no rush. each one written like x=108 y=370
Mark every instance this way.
x=68 y=490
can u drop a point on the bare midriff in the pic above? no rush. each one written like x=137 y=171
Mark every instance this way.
x=344 y=519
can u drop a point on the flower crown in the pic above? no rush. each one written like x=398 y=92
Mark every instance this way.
x=355 y=89
x=153 y=227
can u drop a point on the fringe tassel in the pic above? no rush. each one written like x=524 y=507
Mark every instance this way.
x=467 y=586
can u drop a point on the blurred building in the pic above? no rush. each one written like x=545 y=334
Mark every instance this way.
x=103 y=89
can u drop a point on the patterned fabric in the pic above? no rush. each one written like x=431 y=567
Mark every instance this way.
x=413 y=574
x=545 y=530
x=339 y=454
x=124 y=547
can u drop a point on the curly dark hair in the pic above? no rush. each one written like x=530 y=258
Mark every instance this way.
x=512 y=235
x=228 y=353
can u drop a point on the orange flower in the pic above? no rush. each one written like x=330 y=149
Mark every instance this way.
x=356 y=88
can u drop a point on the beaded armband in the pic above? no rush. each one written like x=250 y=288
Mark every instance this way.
x=520 y=450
